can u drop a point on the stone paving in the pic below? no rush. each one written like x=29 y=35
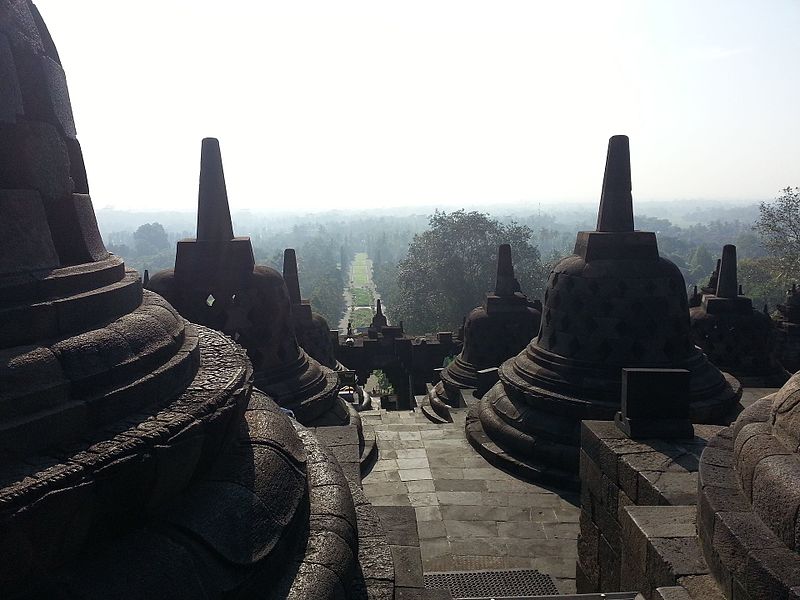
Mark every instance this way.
x=470 y=515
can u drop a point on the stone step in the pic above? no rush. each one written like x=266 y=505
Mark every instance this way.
x=50 y=319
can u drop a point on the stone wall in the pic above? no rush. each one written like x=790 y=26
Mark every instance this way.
x=616 y=473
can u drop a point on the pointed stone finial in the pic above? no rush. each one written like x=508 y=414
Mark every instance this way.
x=379 y=321
x=616 y=201
x=794 y=289
x=727 y=286
x=146 y=279
x=766 y=310
x=290 y=275
x=506 y=283
x=213 y=212
x=694 y=293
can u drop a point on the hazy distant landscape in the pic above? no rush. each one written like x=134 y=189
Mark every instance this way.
x=690 y=233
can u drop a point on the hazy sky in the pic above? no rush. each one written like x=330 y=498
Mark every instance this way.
x=320 y=104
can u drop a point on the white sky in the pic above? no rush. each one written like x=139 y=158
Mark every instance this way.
x=320 y=104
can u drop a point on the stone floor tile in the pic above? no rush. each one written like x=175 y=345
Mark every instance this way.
x=413 y=463
x=414 y=474
x=375 y=477
x=534 y=500
x=544 y=515
x=568 y=515
x=449 y=473
x=486 y=473
x=562 y=531
x=434 y=548
x=521 y=530
x=471 y=529
x=432 y=434
x=422 y=485
x=460 y=498
x=478 y=546
x=542 y=548
x=392 y=475
x=423 y=499
x=392 y=488
x=469 y=514
x=385 y=465
x=399 y=500
x=566 y=586
x=427 y=513
x=407 y=444
x=459 y=485
x=430 y=530
x=412 y=453
x=493 y=498
x=555 y=566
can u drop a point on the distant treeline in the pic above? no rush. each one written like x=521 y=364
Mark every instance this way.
x=326 y=243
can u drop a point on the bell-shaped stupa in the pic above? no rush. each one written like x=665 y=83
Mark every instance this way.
x=311 y=329
x=733 y=335
x=136 y=459
x=493 y=333
x=614 y=303
x=748 y=509
x=216 y=283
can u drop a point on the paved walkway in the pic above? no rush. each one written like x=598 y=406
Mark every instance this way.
x=470 y=515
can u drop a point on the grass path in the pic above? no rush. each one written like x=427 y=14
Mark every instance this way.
x=360 y=293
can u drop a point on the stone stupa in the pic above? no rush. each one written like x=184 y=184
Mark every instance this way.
x=136 y=459
x=316 y=338
x=216 y=282
x=311 y=329
x=748 y=511
x=614 y=303
x=733 y=335
x=493 y=333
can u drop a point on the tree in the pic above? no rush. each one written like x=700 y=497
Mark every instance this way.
x=758 y=279
x=151 y=239
x=701 y=266
x=450 y=267
x=778 y=226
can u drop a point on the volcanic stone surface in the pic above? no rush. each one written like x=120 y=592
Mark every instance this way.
x=749 y=490
x=493 y=333
x=614 y=303
x=733 y=335
x=136 y=461
x=216 y=282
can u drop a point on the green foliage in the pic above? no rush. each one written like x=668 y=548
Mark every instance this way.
x=762 y=282
x=150 y=239
x=450 y=267
x=362 y=296
x=701 y=265
x=360 y=270
x=778 y=226
x=361 y=317
x=385 y=387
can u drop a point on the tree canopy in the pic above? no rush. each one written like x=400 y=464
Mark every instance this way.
x=449 y=268
x=151 y=239
x=778 y=226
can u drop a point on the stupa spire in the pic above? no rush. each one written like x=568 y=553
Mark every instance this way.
x=290 y=275
x=727 y=285
x=506 y=282
x=616 y=201
x=213 y=212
